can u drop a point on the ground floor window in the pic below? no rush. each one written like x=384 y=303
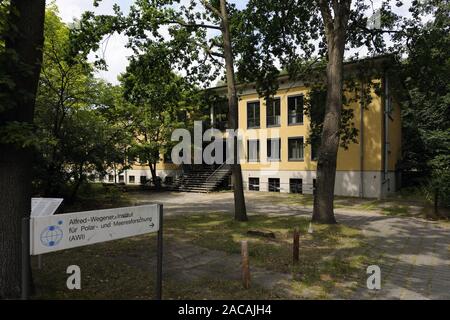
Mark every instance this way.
x=131 y=179
x=110 y=178
x=296 y=185
x=143 y=179
x=121 y=178
x=253 y=184
x=168 y=180
x=274 y=185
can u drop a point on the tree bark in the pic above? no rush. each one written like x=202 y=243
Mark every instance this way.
x=15 y=161
x=240 y=211
x=154 y=174
x=335 y=29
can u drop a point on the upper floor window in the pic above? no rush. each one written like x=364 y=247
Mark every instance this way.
x=253 y=115
x=296 y=149
x=273 y=112
x=295 y=110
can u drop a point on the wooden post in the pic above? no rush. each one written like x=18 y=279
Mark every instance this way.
x=296 y=246
x=245 y=265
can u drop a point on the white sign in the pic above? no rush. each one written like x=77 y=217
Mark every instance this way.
x=53 y=233
x=41 y=207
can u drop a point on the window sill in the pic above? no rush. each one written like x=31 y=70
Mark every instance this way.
x=295 y=124
x=296 y=160
x=273 y=125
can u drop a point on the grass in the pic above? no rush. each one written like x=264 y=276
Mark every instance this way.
x=94 y=196
x=332 y=260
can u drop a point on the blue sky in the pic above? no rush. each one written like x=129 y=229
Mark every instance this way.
x=116 y=54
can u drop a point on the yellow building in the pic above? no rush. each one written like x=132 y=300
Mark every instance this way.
x=275 y=156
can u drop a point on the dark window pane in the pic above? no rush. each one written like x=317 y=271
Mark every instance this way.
x=296 y=185
x=274 y=185
x=253 y=184
x=296 y=148
x=295 y=110
x=253 y=116
x=273 y=112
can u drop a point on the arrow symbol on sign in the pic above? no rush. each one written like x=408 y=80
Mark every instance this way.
x=152 y=225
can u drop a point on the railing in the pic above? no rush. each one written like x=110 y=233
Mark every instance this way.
x=217 y=170
x=273 y=120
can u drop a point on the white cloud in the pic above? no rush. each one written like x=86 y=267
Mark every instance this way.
x=113 y=51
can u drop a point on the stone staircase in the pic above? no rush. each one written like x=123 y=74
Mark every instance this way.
x=202 y=178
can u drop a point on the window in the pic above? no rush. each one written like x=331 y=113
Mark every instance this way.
x=296 y=147
x=121 y=178
x=168 y=180
x=110 y=178
x=253 y=150
x=253 y=184
x=143 y=179
x=168 y=157
x=131 y=179
x=253 y=116
x=273 y=149
x=296 y=185
x=273 y=113
x=274 y=185
x=295 y=110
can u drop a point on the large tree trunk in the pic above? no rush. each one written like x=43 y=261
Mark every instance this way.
x=240 y=211
x=154 y=174
x=15 y=161
x=335 y=28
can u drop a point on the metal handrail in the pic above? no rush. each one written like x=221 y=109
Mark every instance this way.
x=215 y=171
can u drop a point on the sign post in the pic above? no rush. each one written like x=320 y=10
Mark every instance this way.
x=159 y=251
x=25 y=258
x=44 y=234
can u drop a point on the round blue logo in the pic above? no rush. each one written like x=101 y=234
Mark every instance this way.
x=51 y=236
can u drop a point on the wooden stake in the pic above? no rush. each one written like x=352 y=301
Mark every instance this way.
x=296 y=246
x=245 y=265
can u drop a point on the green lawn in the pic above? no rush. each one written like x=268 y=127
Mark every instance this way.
x=332 y=260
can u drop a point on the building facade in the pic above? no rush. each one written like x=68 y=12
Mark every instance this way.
x=276 y=155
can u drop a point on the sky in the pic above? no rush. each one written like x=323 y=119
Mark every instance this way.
x=114 y=50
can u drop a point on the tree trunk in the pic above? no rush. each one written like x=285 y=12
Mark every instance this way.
x=15 y=161
x=153 y=172
x=240 y=211
x=436 y=202
x=335 y=28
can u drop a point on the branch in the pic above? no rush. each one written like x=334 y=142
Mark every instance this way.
x=326 y=14
x=210 y=7
x=193 y=25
